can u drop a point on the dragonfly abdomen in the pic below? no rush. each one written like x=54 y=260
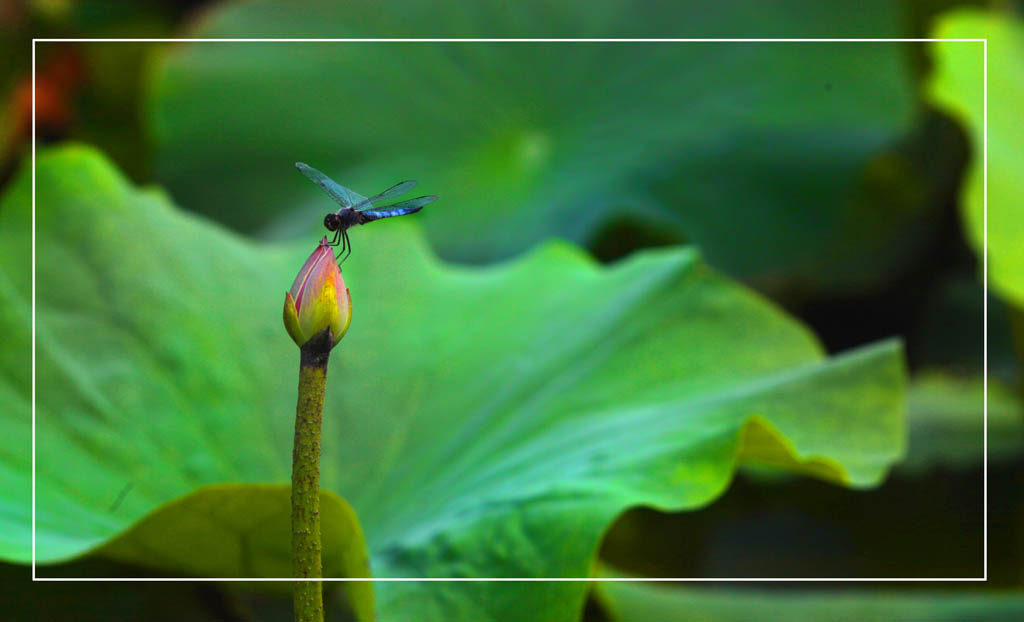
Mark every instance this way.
x=377 y=214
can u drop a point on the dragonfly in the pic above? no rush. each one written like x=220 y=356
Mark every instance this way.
x=357 y=209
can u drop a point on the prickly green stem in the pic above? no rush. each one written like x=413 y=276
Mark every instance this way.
x=306 y=546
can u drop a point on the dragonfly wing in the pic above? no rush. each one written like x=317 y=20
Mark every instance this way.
x=342 y=195
x=399 y=209
x=394 y=191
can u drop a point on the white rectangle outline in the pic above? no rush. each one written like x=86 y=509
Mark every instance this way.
x=984 y=160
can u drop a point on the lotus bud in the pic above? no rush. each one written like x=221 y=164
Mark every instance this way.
x=318 y=299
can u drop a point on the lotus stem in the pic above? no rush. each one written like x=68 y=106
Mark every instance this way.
x=306 y=546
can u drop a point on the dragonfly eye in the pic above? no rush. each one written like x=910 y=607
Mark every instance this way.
x=332 y=222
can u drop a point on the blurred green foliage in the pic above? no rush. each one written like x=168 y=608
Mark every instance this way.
x=780 y=161
x=636 y=602
x=957 y=85
x=84 y=91
x=945 y=429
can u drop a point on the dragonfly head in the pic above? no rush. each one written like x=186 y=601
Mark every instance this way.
x=332 y=221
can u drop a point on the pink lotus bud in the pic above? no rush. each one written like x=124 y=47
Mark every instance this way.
x=318 y=299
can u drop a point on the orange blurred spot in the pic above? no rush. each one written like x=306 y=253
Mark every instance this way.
x=56 y=82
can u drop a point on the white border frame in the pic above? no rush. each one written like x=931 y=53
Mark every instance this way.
x=984 y=577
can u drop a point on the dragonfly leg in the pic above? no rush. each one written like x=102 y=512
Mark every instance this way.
x=347 y=244
x=334 y=240
x=344 y=240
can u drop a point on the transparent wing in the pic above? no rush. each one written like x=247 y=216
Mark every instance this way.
x=399 y=209
x=397 y=190
x=342 y=195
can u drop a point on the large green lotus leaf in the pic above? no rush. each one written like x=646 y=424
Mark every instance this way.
x=480 y=422
x=642 y=602
x=957 y=86
x=759 y=153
